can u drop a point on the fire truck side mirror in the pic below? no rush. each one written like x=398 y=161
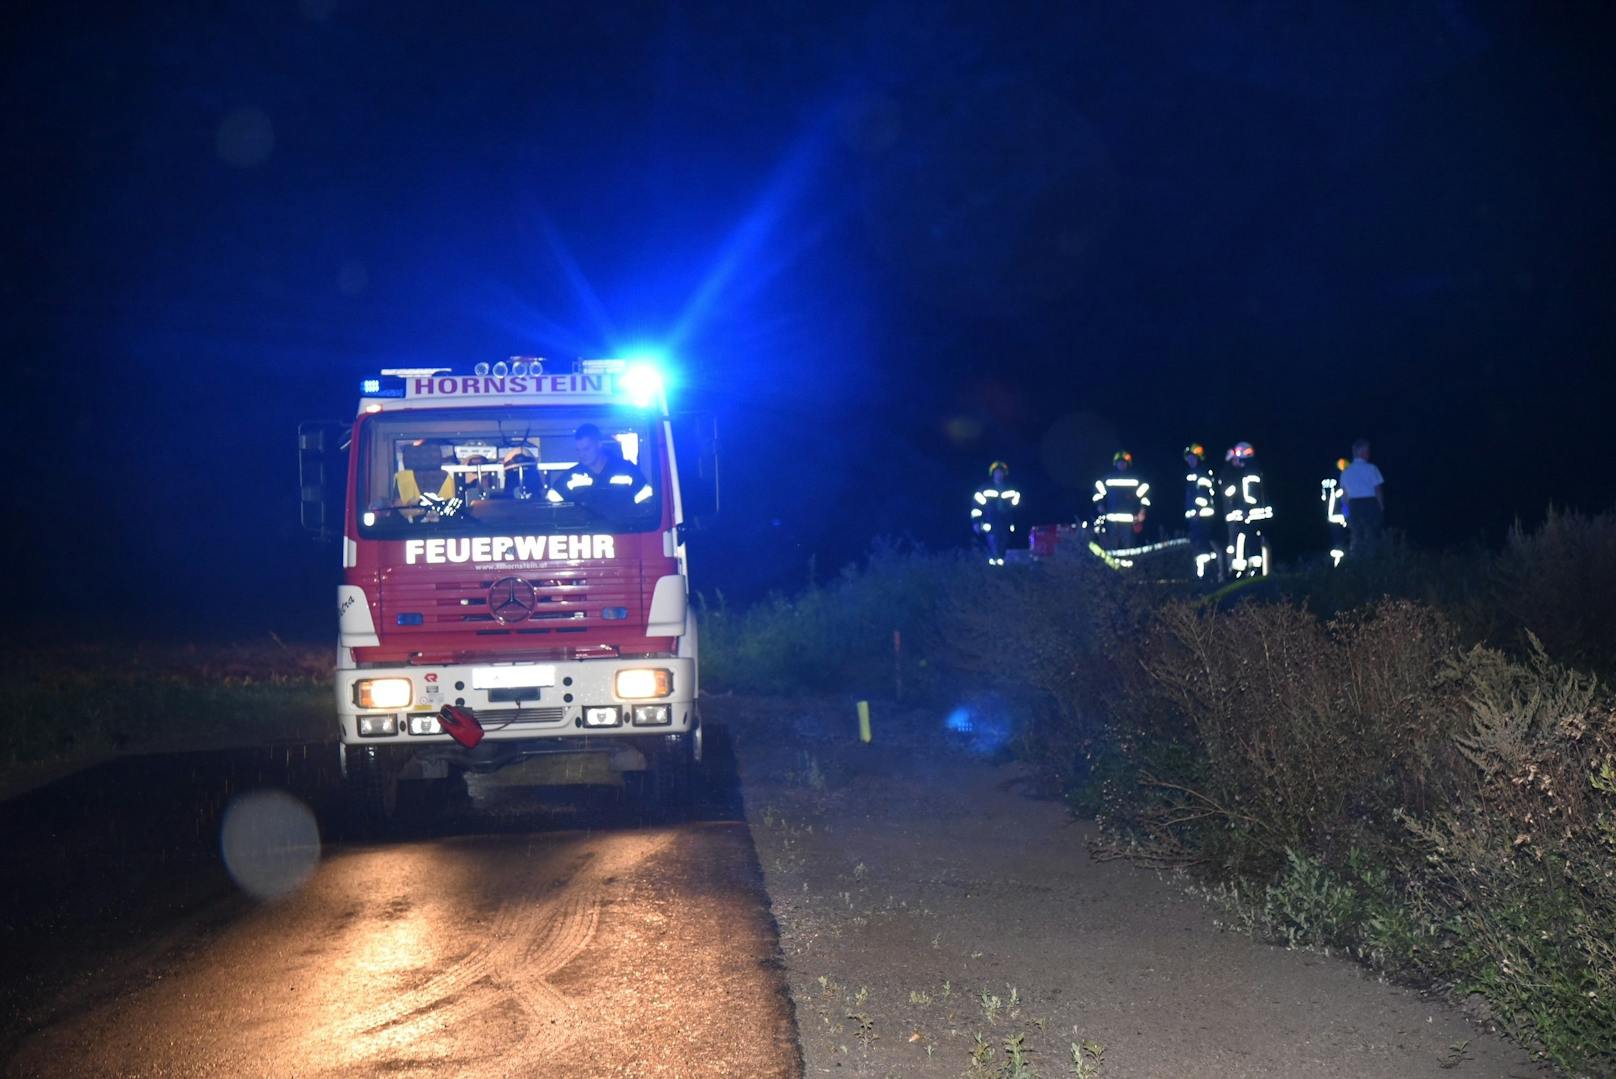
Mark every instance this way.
x=695 y=440
x=321 y=449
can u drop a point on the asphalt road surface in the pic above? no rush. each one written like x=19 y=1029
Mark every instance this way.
x=509 y=939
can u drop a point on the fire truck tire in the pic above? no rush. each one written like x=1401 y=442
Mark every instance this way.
x=371 y=790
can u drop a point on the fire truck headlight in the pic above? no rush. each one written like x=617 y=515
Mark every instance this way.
x=601 y=717
x=382 y=693
x=643 y=683
x=377 y=726
x=653 y=715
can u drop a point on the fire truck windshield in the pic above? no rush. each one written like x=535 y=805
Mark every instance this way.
x=468 y=471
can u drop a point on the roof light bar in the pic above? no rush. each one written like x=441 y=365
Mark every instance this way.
x=414 y=372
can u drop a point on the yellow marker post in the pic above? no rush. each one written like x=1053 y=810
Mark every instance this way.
x=864 y=721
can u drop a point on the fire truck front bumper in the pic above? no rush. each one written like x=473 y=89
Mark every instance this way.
x=519 y=701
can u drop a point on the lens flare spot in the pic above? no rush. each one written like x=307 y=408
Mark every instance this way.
x=981 y=725
x=270 y=842
x=245 y=138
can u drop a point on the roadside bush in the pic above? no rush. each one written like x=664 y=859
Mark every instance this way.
x=1521 y=868
x=1287 y=733
x=1456 y=582
x=1558 y=582
x=837 y=634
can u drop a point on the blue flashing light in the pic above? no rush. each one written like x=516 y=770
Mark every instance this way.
x=410 y=618
x=641 y=383
x=390 y=384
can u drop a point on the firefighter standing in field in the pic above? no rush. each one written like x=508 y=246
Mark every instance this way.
x=993 y=511
x=1335 y=512
x=1200 y=507
x=1245 y=510
x=1120 y=503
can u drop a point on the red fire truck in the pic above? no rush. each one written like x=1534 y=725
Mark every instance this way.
x=514 y=579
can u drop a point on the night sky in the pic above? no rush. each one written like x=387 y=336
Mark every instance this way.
x=884 y=244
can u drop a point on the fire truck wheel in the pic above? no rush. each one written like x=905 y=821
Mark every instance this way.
x=372 y=790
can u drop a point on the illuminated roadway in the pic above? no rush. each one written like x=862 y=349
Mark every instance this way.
x=569 y=941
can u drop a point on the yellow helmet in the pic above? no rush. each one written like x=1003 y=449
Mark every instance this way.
x=996 y=465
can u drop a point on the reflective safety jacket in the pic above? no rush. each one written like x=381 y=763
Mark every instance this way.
x=1200 y=495
x=618 y=478
x=1119 y=500
x=409 y=488
x=1334 y=498
x=1244 y=501
x=993 y=508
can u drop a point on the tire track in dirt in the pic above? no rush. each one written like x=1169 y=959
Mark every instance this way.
x=528 y=941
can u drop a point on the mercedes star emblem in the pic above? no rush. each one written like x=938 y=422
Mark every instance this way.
x=510 y=600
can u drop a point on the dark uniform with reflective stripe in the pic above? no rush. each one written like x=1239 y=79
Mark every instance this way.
x=993 y=509
x=1245 y=509
x=618 y=484
x=1200 y=510
x=1120 y=501
x=1335 y=515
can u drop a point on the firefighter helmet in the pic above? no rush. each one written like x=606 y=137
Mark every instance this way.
x=1240 y=451
x=996 y=465
x=1340 y=464
x=1196 y=450
x=1122 y=457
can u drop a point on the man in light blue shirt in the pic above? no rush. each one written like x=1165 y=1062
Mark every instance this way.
x=1366 y=500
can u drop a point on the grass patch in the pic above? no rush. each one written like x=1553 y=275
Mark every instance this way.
x=83 y=702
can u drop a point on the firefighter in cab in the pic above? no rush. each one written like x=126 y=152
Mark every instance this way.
x=1200 y=509
x=1245 y=512
x=1335 y=512
x=1120 y=502
x=993 y=512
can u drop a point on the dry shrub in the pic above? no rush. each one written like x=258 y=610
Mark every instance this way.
x=1290 y=733
x=1558 y=582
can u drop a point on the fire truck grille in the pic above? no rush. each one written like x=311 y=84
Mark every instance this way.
x=520 y=717
x=563 y=601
